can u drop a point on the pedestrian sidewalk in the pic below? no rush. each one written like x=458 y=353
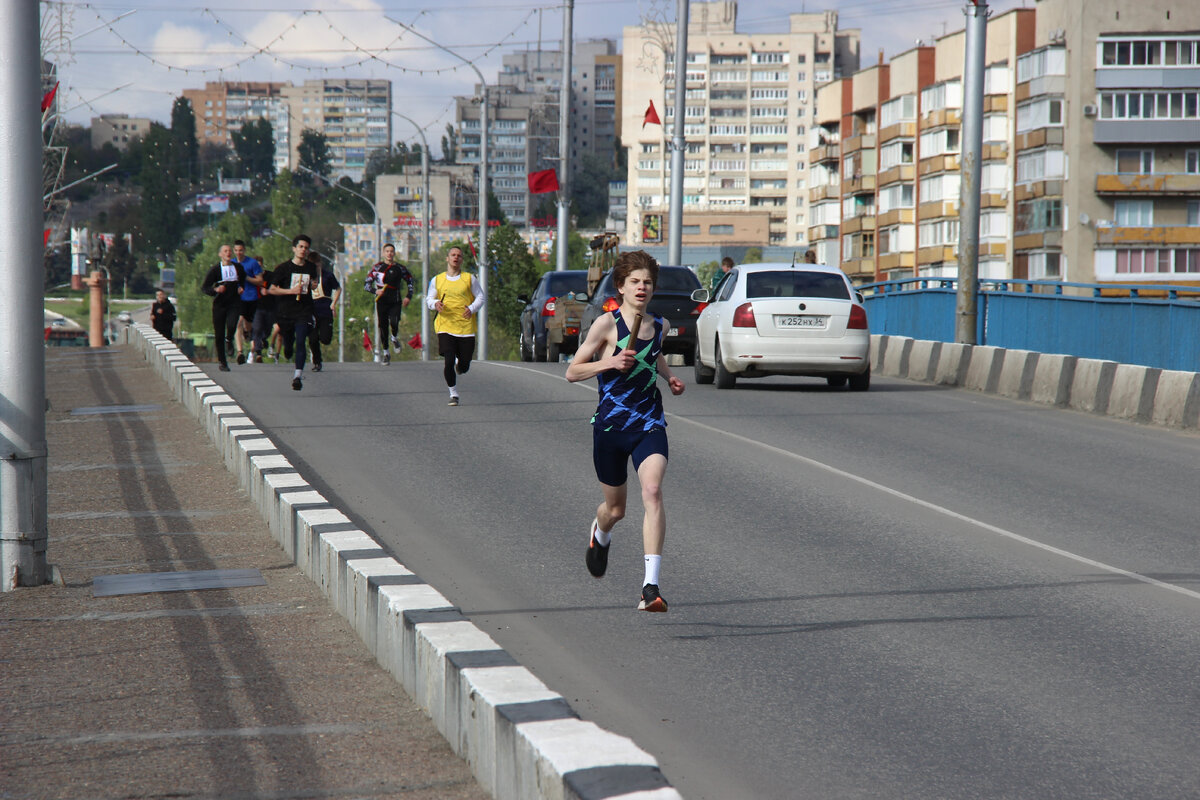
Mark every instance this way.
x=258 y=691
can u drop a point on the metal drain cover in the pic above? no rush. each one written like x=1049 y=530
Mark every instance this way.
x=149 y=582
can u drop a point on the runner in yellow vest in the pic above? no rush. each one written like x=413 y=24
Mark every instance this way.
x=457 y=298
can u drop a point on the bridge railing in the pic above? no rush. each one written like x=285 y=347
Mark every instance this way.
x=1151 y=324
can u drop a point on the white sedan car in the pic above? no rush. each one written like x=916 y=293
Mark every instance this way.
x=783 y=319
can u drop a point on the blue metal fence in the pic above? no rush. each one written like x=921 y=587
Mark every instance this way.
x=1161 y=330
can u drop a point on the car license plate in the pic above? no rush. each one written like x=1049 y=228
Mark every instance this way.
x=799 y=321
x=673 y=331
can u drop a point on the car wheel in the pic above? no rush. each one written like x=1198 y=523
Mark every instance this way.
x=539 y=353
x=553 y=351
x=836 y=380
x=861 y=382
x=526 y=352
x=725 y=378
x=703 y=373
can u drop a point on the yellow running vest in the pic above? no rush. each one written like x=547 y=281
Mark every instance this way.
x=455 y=295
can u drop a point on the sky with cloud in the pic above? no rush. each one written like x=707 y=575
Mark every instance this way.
x=114 y=61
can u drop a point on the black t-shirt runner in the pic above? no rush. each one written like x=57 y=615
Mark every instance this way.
x=286 y=276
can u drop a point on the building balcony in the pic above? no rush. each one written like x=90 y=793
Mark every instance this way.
x=1036 y=189
x=995 y=152
x=859 y=223
x=940 y=118
x=993 y=200
x=1158 y=235
x=943 y=163
x=853 y=144
x=896 y=216
x=1037 y=240
x=1159 y=184
x=1039 y=137
x=995 y=103
x=895 y=261
x=935 y=254
x=901 y=130
x=937 y=209
x=1144 y=131
x=831 y=191
x=862 y=268
x=822 y=232
x=825 y=152
x=900 y=173
x=859 y=184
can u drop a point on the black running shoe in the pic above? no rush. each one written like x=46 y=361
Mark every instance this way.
x=387 y=358
x=241 y=359
x=297 y=384
x=453 y=401
x=597 y=554
x=224 y=368
x=651 y=599
x=316 y=367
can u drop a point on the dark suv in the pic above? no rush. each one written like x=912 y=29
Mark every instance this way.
x=672 y=300
x=541 y=306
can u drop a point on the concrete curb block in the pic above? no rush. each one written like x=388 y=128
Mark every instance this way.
x=1016 y=374
x=520 y=738
x=1091 y=385
x=1177 y=400
x=1133 y=392
x=953 y=361
x=923 y=360
x=1052 y=379
x=895 y=357
x=983 y=371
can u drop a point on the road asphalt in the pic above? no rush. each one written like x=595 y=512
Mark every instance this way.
x=230 y=692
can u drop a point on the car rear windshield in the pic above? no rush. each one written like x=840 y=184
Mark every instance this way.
x=679 y=279
x=796 y=283
x=560 y=283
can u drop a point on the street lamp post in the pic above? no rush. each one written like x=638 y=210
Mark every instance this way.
x=483 y=183
x=425 y=228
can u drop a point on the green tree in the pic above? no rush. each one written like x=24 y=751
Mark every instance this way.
x=450 y=145
x=577 y=250
x=160 y=190
x=313 y=152
x=183 y=130
x=589 y=189
x=754 y=255
x=286 y=218
x=255 y=148
x=512 y=271
x=495 y=211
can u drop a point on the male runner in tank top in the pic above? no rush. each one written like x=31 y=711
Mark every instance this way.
x=629 y=420
x=457 y=298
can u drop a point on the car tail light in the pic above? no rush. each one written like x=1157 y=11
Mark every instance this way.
x=548 y=308
x=858 y=319
x=744 y=316
x=610 y=304
x=572 y=331
x=699 y=307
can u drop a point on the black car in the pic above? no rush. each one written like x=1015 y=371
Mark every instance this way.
x=672 y=300
x=541 y=306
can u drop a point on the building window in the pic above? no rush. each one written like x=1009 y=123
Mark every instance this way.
x=1148 y=53
x=895 y=153
x=720 y=230
x=1161 y=261
x=895 y=196
x=1039 y=63
x=1039 y=215
x=1040 y=165
x=1133 y=213
x=1045 y=112
x=900 y=109
x=1135 y=162
x=1045 y=265
x=940 y=142
x=1150 y=105
x=941 y=96
x=1193 y=217
x=1192 y=162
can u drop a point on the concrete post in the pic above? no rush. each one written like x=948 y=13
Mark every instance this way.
x=95 y=285
x=424 y=247
x=23 y=527
x=678 y=143
x=564 y=139
x=969 y=192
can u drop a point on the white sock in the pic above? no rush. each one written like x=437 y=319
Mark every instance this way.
x=652 y=565
x=602 y=537
x=454 y=391
x=299 y=373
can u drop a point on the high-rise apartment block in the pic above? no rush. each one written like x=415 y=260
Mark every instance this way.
x=749 y=106
x=1090 y=161
x=118 y=130
x=523 y=118
x=354 y=115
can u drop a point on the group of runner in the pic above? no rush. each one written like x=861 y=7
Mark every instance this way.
x=622 y=353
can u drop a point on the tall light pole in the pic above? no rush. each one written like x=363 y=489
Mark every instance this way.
x=678 y=144
x=966 y=308
x=425 y=228
x=23 y=487
x=483 y=183
x=564 y=139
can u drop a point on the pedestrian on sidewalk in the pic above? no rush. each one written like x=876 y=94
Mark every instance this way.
x=389 y=302
x=292 y=287
x=223 y=284
x=457 y=298
x=629 y=420
x=325 y=300
x=162 y=315
x=250 y=296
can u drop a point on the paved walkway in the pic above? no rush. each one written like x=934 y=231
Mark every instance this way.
x=254 y=692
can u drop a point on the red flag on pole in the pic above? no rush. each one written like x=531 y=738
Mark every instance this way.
x=543 y=181
x=48 y=97
x=366 y=340
x=651 y=116
x=415 y=342
x=471 y=245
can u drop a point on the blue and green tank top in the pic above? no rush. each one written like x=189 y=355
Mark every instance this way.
x=631 y=401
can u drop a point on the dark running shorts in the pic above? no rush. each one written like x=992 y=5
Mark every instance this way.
x=248 y=309
x=611 y=451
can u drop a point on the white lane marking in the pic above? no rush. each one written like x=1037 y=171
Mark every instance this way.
x=1016 y=537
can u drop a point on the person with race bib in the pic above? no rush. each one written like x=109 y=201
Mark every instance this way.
x=456 y=297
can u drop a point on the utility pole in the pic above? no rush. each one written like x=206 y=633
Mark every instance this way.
x=23 y=522
x=425 y=227
x=967 y=306
x=564 y=139
x=678 y=143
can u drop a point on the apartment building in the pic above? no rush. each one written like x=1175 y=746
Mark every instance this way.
x=749 y=105
x=354 y=114
x=222 y=107
x=118 y=130
x=453 y=206
x=1090 y=160
x=523 y=118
